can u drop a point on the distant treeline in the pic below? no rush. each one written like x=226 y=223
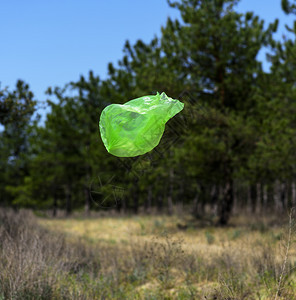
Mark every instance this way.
x=233 y=145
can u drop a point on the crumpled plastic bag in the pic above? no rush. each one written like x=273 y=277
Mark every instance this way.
x=137 y=126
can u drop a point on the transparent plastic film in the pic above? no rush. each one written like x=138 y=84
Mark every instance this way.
x=137 y=126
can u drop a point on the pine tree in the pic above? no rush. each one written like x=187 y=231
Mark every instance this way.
x=16 y=111
x=219 y=47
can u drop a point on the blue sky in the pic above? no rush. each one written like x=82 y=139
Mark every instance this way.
x=49 y=43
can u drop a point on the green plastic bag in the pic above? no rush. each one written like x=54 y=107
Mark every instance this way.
x=137 y=126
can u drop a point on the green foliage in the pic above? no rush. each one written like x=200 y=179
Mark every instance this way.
x=16 y=110
x=288 y=7
x=18 y=106
x=238 y=123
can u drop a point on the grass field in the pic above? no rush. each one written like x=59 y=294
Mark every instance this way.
x=149 y=257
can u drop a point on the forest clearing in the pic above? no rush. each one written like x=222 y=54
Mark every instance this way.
x=170 y=173
x=146 y=257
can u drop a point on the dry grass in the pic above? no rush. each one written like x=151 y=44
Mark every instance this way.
x=144 y=258
x=34 y=261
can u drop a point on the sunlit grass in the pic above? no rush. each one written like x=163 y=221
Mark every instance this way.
x=233 y=261
x=144 y=257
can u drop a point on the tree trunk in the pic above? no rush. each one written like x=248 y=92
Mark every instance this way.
x=170 y=195
x=226 y=203
x=214 y=195
x=249 y=200
x=288 y=195
x=159 y=203
x=202 y=199
x=136 y=196
x=119 y=206
x=195 y=206
x=264 y=197
x=235 y=200
x=123 y=205
x=277 y=192
x=270 y=197
x=68 y=200
x=284 y=196
x=293 y=186
x=259 y=195
x=87 y=201
x=247 y=197
x=87 y=192
x=55 y=203
x=195 y=203
x=253 y=195
x=181 y=196
x=148 y=201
